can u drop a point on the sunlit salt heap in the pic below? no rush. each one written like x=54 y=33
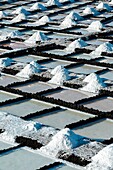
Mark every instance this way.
x=37 y=36
x=95 y=26
x=111 y=2
x=53 y=2
x=79 y=43
x=64 y=140
x=15 y=126
x=42 y=21
x=94 y=83
x=60 y=74
x=4 y=62
x=15 y=33
x=89 y=10
x=69 y=20
x=21 y=10
x=2 y=14
x=29 y=70
x=105 y=47
x=103 y=160
x=61 y=1
x=103 y=5
x=38 y=6
x=19 y=18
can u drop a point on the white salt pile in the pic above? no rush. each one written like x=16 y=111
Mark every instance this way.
x=60 y=74
x=64 y=140
x=103 y=160
x=95 y=26
x=15 y=126
x=4 y=62
x=29 y=70
x=37 y=36
x=111 y=2
x=79 y=43
x=38 y=6
x=61 y=1
x=103 y=5
x=19 y=18
x=2 y=14
x=21 y=10
x=105 y=47
x=13 y=34
x=68 y=21
x=89 y=10
x=42 y=21
x=53 y=2
x=95 y=83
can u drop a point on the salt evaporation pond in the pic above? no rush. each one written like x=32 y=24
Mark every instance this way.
x=99 y=130
x=25 y=107
x=35 y=87
x=85 y=69
x=6 y=79
x=6 y=96
x=23 y=159
x=59 y=119
x=103 y=104
x=27 y=58
x=4 y=145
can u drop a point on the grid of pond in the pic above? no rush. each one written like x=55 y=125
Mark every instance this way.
x=6 y=96
x=4 y=145
x=35 y=87
x=28 y=58
x=69 y=95
x=103 y=104
x=59 y=119
x=85 y=69
x=105 y=60
x=23 y=159
x=22 y=108
x=6 y=79
x=107 y=75
x=98 y=130
x=54 y=63
x=57 y=52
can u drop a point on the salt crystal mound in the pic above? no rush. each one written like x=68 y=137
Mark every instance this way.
x=111 y=2
x=89 y=10
x=64 y=140
x=15 y=126
x=105 y=47
x=42 y=21
x=2 y=14
x=60 y=74
x=95 y=26
x=75 y=44
x=103 y=160
x=53 y=2
x=38 y=6
x=102 y=5
x=68 y=21
x=58 y=69
x=19 y=18
x=13 y=34
x=91 y=77
x=61 y=1
x=29 y=70
x=37 y=36
x=95 y=83
x=21 y=10
x=4 y=62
